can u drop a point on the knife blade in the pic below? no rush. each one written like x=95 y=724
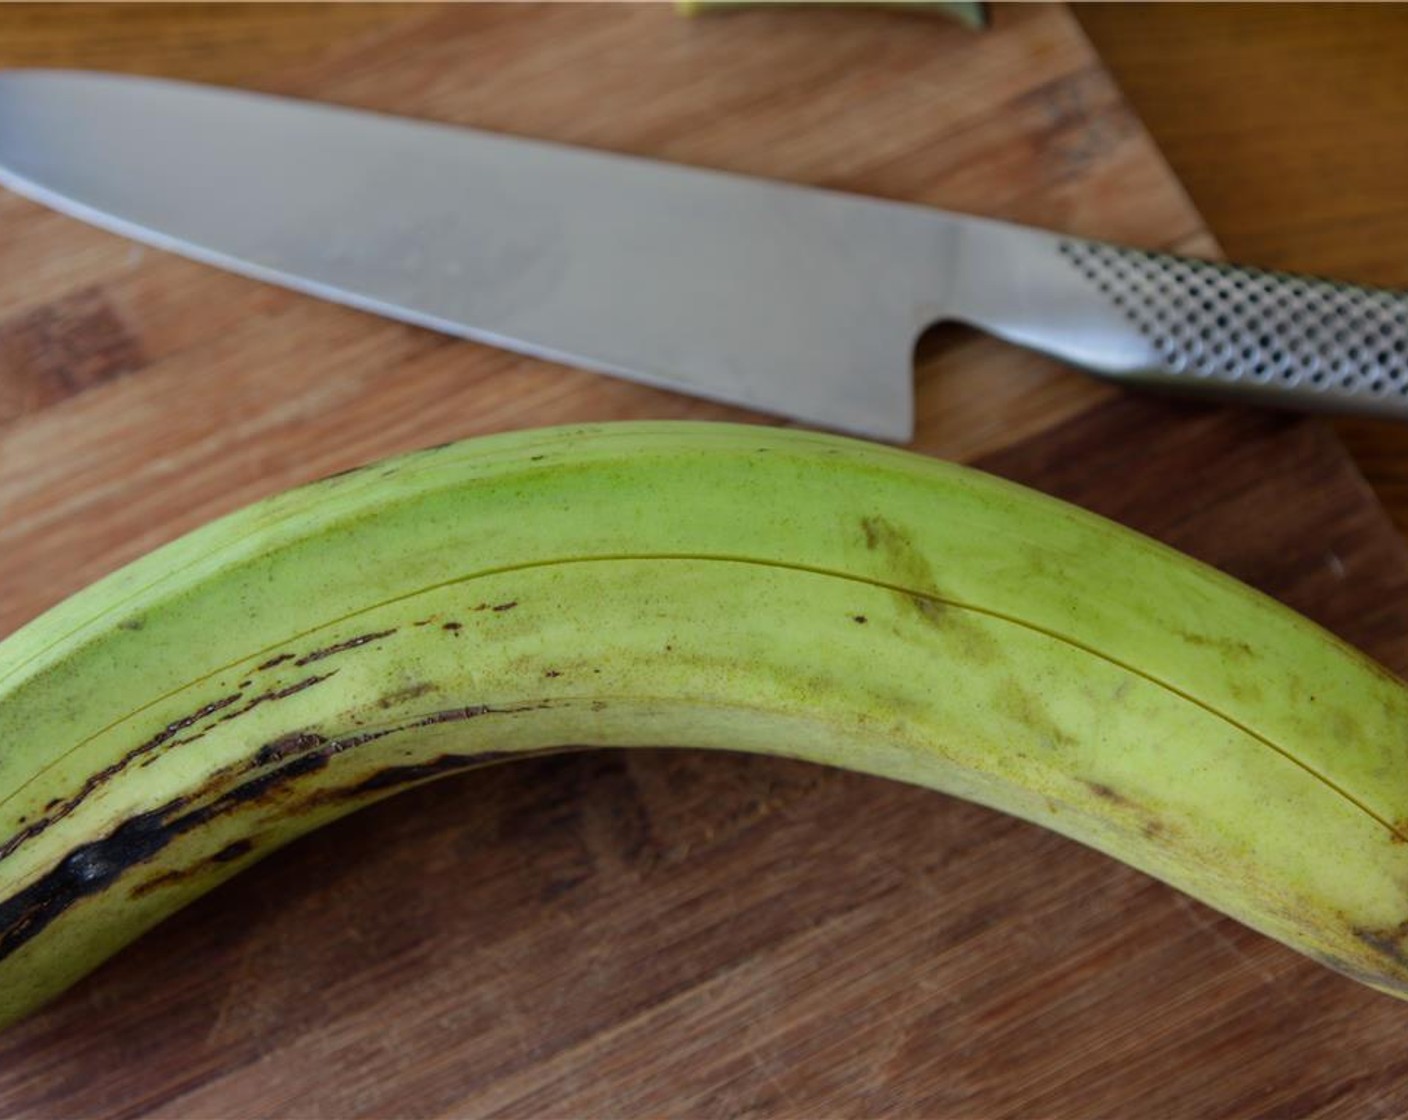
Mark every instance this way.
x=779 y=297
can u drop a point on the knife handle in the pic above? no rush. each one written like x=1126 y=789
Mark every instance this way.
x=1204 y=327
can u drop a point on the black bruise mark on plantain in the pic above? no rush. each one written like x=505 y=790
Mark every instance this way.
x=342 y=647
x=59 y=808
x=231 y=852
x=92 y=868
x=85 y=871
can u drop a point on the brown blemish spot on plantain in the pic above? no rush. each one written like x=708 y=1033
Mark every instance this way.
x=980 y=645
x=1108 y=793
x=132 y=624
x=1232 y=648
x=1151 y=826
x=904 y=566
x=1025 y=706
x=228 y=854
x=264 y=698
x=859 y=618
x=401 y=695
x=871 y=527
x=296 y=742
x=270 y=696
x=453 y=627
x=275 y=661
x=1245 y=692
x=552 y=672
x=1387 y=943
x=365 y=737
x=343 y=647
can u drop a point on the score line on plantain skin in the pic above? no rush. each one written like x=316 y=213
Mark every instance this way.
x=9 y=846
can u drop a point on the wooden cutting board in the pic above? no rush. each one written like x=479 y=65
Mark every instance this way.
x=665 y=932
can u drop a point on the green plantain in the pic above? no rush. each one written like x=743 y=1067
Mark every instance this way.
x=696 y=585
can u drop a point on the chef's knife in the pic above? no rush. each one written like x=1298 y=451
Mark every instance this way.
x=783 y=298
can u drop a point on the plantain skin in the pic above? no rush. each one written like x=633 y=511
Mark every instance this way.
x=700 y=585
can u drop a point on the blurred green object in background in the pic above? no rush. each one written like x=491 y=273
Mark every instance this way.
x=971 y=15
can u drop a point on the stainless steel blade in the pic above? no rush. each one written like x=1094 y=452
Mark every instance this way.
x=781 y=298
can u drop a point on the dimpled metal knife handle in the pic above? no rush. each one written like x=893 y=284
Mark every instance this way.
x=1202 y=327
x=1291 y=340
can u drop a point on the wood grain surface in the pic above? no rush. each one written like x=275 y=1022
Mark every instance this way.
x=663 y=932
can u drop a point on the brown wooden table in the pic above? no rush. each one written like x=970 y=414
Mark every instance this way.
x=710 y=936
